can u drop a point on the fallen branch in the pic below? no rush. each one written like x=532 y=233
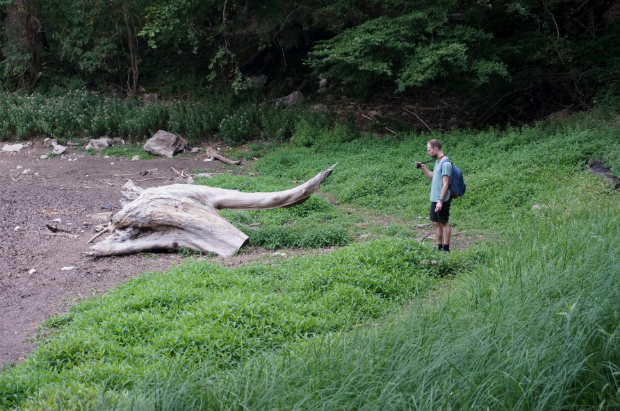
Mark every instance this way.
x=214 y=154
x=182 y=215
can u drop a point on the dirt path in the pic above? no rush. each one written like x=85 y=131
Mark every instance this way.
x=71 y=191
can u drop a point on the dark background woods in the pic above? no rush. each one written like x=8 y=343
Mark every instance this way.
x=464 y=62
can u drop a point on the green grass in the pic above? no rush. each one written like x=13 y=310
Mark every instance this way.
x=202 y=313
x=535 y=327
x=506 y=171
x=530 y=321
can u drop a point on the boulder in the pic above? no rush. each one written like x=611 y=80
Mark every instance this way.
x=291 y=100
x=150 y=98
x=14 y=147
x=99 y=144
x=49 y=142
x=165 y=144
x=58 y=149
x=118 y=140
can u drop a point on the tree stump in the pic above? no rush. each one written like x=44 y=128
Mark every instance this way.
x=182 y=215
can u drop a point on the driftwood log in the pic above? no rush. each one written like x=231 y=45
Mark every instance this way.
x=214 y=154
x=182 y=215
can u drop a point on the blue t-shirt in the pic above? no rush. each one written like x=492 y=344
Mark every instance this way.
x=443 y=168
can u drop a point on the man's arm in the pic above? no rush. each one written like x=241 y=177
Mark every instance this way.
x=444 y=191
x=428 y=172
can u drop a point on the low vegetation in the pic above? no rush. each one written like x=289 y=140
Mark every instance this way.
x=528 y=321
x=202 y=313
x=86 y=114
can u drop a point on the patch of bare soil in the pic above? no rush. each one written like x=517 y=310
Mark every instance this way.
x=67 y=193
x=598 y=167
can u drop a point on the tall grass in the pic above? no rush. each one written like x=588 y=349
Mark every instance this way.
x=534 y=328
x=80 y=114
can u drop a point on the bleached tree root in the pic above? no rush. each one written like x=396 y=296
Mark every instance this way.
x=181 y=215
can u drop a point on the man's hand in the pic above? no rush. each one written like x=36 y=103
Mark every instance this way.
x=438 y=206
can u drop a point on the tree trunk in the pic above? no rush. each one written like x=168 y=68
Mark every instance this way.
x=180 y=215
x=24 y=42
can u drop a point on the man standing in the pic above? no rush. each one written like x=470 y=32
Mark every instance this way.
x=440 y=194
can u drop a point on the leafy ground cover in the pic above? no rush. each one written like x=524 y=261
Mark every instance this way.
x=506 y=337
x=535 y=326
x=202 y=313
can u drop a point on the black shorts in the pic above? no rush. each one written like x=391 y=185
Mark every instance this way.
x=443 y=215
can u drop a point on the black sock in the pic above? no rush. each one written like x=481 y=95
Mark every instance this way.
x=439 y=247
x=446 y=247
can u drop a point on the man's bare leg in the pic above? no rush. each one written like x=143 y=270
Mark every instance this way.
x=446 y=231
x=438 y=233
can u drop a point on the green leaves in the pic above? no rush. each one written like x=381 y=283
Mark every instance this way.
x=412 y=50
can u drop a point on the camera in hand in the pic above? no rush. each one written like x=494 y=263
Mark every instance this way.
x=418 y=165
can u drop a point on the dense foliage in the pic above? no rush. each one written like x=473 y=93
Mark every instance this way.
x=527 y=54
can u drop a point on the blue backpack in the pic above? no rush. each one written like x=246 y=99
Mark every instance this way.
x=457 y=184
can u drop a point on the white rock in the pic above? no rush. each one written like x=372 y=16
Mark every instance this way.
x=19 y=167
x=58 y=149
x=32 y=271
x=165 y=144
x=14 y=147
x=106 y=156
x=195 y=150
x=58 y=220
x=68 y=268
x=17 y=228
x=26 y=171
x=135 y=158
x=44 y=157
x=99 y=144
x=111 y=164
x=48 y=142
x=208 y=159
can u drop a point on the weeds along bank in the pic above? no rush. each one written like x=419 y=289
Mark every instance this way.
x=204 y=315
x=534 y=327
x=90 y=114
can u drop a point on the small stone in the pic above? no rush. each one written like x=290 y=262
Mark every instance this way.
x=106 y=156
x=195 y=150
x=135 y=158
x=58 y=149
x=112 y=163
x=208 y=159
x=26 y=171
x=68 y=268
x=44 y=157
x=535 y=207
x=19 y=167
x=106 y=206
x=32 y=271
x=17 y=228
x=99 y=227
